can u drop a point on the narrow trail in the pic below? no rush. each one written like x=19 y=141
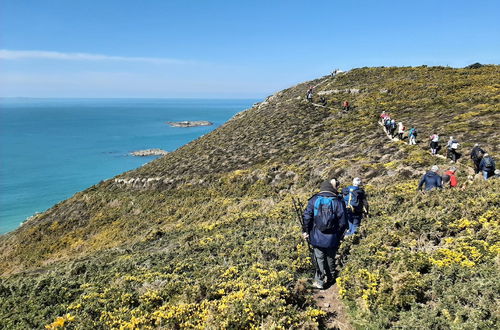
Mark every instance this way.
x=329 y=301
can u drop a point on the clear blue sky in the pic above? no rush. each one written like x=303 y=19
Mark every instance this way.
x=187 y=48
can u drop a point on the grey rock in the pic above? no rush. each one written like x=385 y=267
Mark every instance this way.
x=149 y=152
x=188 y=123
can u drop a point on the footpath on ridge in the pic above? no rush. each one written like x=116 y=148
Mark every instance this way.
x=329 y=299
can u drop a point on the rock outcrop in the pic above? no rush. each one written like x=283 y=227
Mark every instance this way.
x=188 y=123
x=149 y=152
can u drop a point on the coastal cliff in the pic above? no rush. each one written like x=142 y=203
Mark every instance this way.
x=206 y=236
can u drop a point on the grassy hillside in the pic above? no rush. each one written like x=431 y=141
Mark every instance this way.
x=206 y=236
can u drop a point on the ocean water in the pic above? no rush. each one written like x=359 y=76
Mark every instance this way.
x=53 y=148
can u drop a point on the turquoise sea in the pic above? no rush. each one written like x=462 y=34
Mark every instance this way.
x=53 y=148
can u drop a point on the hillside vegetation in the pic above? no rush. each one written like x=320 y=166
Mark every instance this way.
x=205 y=237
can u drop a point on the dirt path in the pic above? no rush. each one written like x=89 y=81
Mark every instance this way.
x=329 y=301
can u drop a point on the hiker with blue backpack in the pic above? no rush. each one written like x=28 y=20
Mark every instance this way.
x=356 y=205
x=487 y=166
x=392 y=128
x=324 y=223
x=412 y=136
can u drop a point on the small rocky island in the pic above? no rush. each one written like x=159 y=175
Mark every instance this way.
x=149 y=152
x=187 y=123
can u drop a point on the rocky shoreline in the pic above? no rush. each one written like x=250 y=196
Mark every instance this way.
x=188 y=123
x=149 y=152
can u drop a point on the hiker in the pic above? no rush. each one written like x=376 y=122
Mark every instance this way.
x=322 y=101
x=324 y=223
x=383 y=117
x=346 y=106
x=387 y=123
x=476 y=155
x=434 y=143
x=412 y=136
x=450 y=178
x=309 y=95
x=401 y=130
x=452 y=147
x=431 y=179
x=356 y=205
x=487 y=166
x=392 y=128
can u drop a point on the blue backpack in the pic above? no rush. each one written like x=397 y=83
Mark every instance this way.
x=325 y=218
x=351 y=198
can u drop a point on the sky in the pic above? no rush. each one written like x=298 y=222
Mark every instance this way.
x=227 y=49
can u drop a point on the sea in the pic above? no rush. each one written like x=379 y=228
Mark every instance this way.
x=52 y=148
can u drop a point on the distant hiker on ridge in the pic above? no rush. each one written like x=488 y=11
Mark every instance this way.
x=383 y=117
x=401 y=130
x=324 y=223
x=434 y=143
x=346 y=106
x=476 y=155
x=356 y=205
x=387 y=124
x=487 y=166
x=452 y=147
x=392 y=128
x=309 y=94
x=431 y=179
x=412 y=136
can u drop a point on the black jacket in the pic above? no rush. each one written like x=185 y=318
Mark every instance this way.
x=474 y=154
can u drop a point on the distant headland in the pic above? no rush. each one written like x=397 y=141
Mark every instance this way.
x=187 y=123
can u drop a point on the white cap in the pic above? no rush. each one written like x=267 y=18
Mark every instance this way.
x=356 y=182
x=434 y=168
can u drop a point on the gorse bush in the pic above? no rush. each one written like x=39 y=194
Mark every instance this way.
x=206 y=236
x=429 y=263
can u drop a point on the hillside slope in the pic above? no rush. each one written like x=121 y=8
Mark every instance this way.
x=206 y=237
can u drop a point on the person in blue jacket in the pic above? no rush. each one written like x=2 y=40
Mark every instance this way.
x=356 y=205
x=431 y=179
x=487 y=166
x=324 y=224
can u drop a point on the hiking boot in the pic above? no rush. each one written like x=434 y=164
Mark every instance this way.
x=317 y=285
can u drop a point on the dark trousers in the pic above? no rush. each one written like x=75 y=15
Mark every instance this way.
x=476 y=165
x=452 y=154
x=325 y=264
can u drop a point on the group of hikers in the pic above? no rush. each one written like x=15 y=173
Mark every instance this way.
x=483 y=162
x=328 y=217
x=394 y=128
x=331 y=215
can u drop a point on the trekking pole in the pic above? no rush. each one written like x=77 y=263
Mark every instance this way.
x=298 y=206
